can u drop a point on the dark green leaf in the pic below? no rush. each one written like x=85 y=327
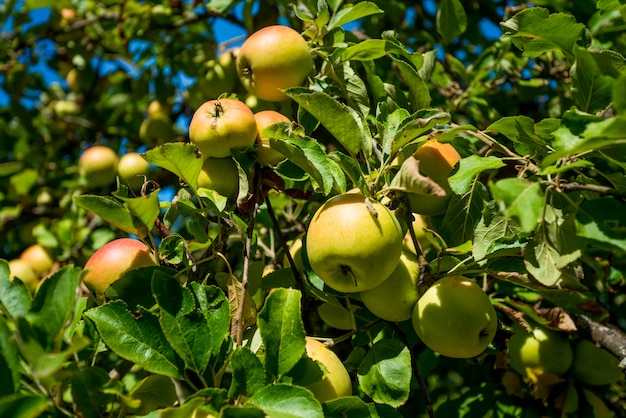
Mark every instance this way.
x=153 y=392
x=517 y=129
x=463 y=214
x=23 y=406
x=87 y=392
x=494 y=233
x=346 y=407
x=212 y=301
x=284 y=401
x=591 y=85
x=14 y=295
x=248 y=373
x=603 y=222
x=9 y=361
x=418 y=90
x=451 y=20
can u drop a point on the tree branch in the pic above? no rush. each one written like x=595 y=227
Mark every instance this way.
x=613 y=339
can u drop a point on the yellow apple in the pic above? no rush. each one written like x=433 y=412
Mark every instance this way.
x=336 y=382
x=38 y=257
x=353 y=244
x=98 y=165
x=335 y=316
x=542 y=349
x=295 y=250
x=595 y=366
x=265 y=154
x=23 y=271
x=455 y=318
x=132 y=169
x=220 y=175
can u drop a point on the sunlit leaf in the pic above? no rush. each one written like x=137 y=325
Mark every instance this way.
x=519 y=199
x=180 y=158
x=469 y=168
x=286 y=401
x=350 y=13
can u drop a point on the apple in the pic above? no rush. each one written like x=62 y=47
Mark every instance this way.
x=112 y=261
x=273 y=59
x=156 y=130
x=98 y=165
x=335 y=316
x=295 y=250
x=220 y=77
x=593 y=365
x=38 y=257
x=336 y=382
x=436 y=161
x=132 y=169
x=220 y=125
x=267 y=155
x=542 y=349
x=220 y=175
x=157 y=109
x=23 y=271
x=394 y=299
x=353 y=245
x=419 y=225
x=455 y=318
x=599 y=408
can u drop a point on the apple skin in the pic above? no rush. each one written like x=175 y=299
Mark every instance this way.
x=350 y=248
x=436 y=161
x=98 y=165
x=295 y=250
x=543 y=349
x=220 y=125
x=594 y=366
x=156 y=130
x=455 y=318
x=220 y=175
x=267 y=155
x=38 y=257
x=132 y=168
x=394 y=299
x=336 y=382
x=25 y=272
x=335 y=316
x=157 y=109
x=112 y=261
x=271 y=59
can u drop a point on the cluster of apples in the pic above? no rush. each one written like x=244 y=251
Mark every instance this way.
x=99 y=166
x=33 y=264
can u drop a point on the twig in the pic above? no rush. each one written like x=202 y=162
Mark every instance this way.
x=573 y=186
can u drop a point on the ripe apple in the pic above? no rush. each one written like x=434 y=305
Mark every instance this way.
x=593 y=365
x=436 y=161
x=38 y=257
x=455 y=318
x=267 y=155
x=336 y=381
x=542 y=349
x=132 y=168
x=273 y=58
x=335 y=316
x=221 y=125
x=394 y=299
x=22 y=270
x=353 y=245
x=220 y=175
x=112 y=261
x=98 y=165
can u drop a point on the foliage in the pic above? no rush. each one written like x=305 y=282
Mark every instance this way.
x=530 y=94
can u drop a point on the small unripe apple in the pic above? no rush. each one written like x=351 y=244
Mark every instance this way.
x=335 y=316
x=221 y=125
x=156 y=130
x=273 y=59
x=157 y=109
x=267 y=155
x=220 y=76
x=594 y=365
x=132 y=169
x=542 y=349
x=220 y=175
x=436 y=161
x=22 y=270
x=353 y=244
x=98 y=165
x=336 y=382
x=112 y=261
x=394 y=299
x=455 y=318
x=38 y=257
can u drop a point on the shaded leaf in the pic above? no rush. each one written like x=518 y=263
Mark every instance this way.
x=248 y=373
x=591 y=85
x=451 y=20
x=285 y=401
x=603 y=222
x=14 y=295
x=87 y=392
x=9 y=361
x=23 y=406
x=145 y=208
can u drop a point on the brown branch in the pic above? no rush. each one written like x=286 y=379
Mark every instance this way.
x=597 y=188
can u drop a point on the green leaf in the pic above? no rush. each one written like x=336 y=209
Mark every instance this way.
x=417 y=125
x=385 y=372
x=347 y=406
x=23 y=406
x=519 y=199
x=212 y=301
x=451 y=20
x=87 y=392
x=535 y=31
x=180 y=158
x=618 y=97
x=153 y=392
x=248 y=373
x=517 y=129
x=469 y=168
x=285 y=401
x=592 y=87
x=135 y=286
x=350 y=13
x=14 y=295
x=145 y=208
x=463 y=214
x=495 y=234
x=173 y=249
x=367 y=50
x=282 y=330
x=340 y=120
x=9 y=361
x=113 y=212
x=137 y=339
x=603 y=223
x=418 y=90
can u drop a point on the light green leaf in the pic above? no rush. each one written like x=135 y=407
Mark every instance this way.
x=517 y=129
x=463 y=214
x=451 y=20
x=113 y=212
x=367 y=50
x=346 y=406
x=520 y=199
x=385 y=372
x=285 y=401
x=144 y=208
x=153 y=392
x=180 y=158
x=418 y=90
x=618 y=97
x=417 y=125
x=591 y=85
x=350 y=13
x=248 y=373
x=282 y=330
x=469 y=168
x=495 y=234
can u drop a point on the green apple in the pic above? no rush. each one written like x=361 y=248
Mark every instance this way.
x=598 y=406
x=156 y=130
x=419 y=225
x=542 y=349
x=273 y=59
x=220 y=175
x=133 y=169
x=98 y=165
x=221 y=125
x=394 y=299
x=23 y=271
x=38 y=257
x=353 y=244
x=157 y=109
x=595 y=366
x=295 y=250
x=455 y=318
x=265 y=154
x=336 y=382
x=436 y=160
x=112 y=261
x=220 y=77
x=335 y=316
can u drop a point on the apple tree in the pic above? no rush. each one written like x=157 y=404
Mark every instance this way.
x=388 y=210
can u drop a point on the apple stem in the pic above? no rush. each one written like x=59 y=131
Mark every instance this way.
x=345 y=270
